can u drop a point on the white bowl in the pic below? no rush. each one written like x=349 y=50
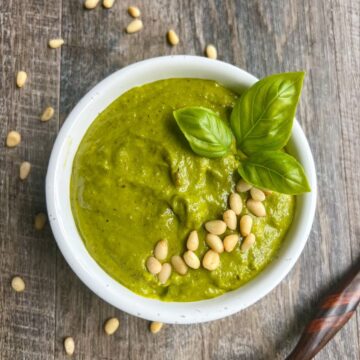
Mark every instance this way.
x=66 y=233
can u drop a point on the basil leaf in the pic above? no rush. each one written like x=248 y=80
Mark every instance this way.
x=275 y=170
x=206 y=133
x=263 y=116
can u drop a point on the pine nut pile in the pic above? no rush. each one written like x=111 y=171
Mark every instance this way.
x=240 y=235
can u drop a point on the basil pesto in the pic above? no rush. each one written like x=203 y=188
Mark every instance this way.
x=136 y=180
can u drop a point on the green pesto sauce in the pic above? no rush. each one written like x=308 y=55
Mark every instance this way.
x=135 y=181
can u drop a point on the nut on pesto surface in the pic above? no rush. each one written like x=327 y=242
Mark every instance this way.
x=135 y=181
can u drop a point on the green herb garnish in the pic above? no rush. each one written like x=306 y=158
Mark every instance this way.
x=274 y=170
x=261 y=121
x=206 y=133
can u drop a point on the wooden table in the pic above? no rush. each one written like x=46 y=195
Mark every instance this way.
x=263 y=37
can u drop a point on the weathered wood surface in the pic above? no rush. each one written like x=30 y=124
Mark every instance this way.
x=263 y=37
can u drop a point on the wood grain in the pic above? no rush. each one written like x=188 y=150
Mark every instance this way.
x=263 y=37
x=332 y=314
x=27 y=329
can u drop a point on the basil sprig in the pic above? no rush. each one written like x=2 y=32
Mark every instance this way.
x=261 y=121
x=206 y=133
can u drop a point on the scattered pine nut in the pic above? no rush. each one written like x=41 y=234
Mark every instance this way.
x=153 y=265
x=230 y=219
x=111 y=325
x=179 y=265
x=257 y=194
x=18 y=284
x=216 y=227
x=256 y=207
x=91 y=4
x=134 y=11
x=69 y=345
x=156 y=326
x=191 y=259
x=13 y=139
x=246 y=223
x=235 y=203
x=248 y=242
x=161 y=250
x=211 y=260
x=108 y=4
x=173 y=38
x=21 y=78
x=24 y=170
x=164 y=273
x=135 y=26
x=215 y=243
x=230 y=242
x=40 y=221
x=211 y=51
x=47 y=114
x=55 y=43
x=243 y=186
x=193 y=241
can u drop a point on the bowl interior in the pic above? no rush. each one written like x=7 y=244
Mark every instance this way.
x=68 y=238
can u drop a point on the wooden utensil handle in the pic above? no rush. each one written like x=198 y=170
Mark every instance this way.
x=335 y=310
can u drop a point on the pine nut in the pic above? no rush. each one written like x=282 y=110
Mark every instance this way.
x=135 y=26
x=257 y=194
x=246 y=223
x=13 y=139
x=256 y=207
x=21 y=79
x=211 y=51
x=216 y=227
x=108 y=4
x=134 y=11
x=153 y=265
x=215 y=243
x=248 y=242
x=193 y=241
x=164 y=273
x=191 y=259
x=230 y=219
x=69 y=345
x=40 y=221
x=111 y=325
x=47 y=114
x=230 y=242
x=55 y=43
x=179 y=265
x=235 y=203
x=18 y=284
x=91 y=4
x=267 y=191
x=161 y=250
x=172 y=37
x=156 y=326
x=243 y=186
x=211 y=260
x=24 y=170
